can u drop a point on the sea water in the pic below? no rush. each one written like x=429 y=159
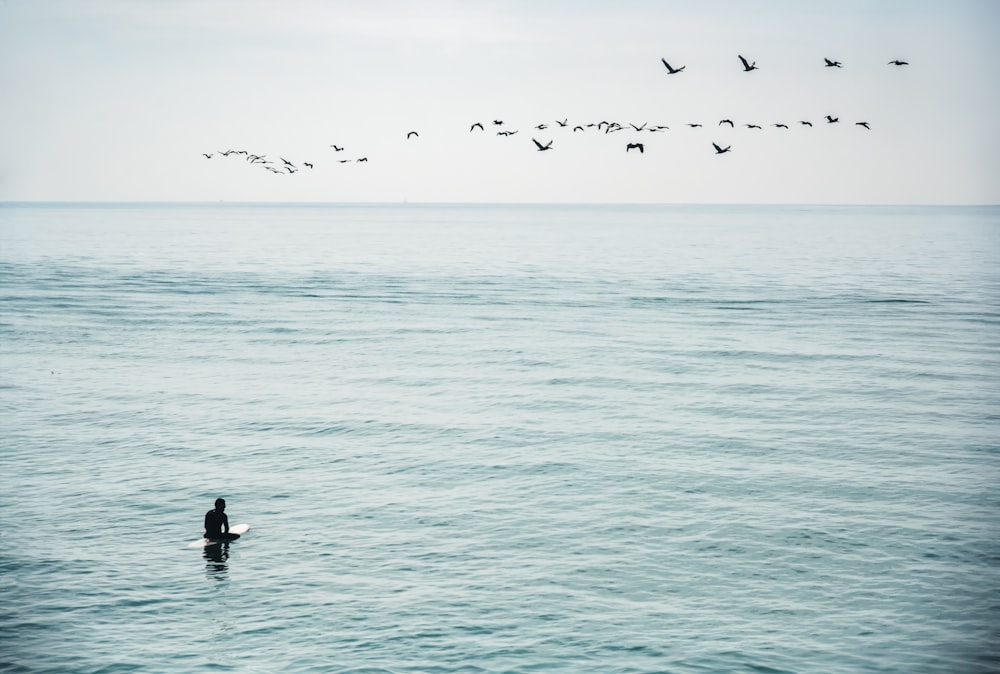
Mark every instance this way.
x=638 y=439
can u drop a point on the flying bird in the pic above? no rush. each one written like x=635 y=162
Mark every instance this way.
x=542 y=148
x=497 y=122
x=337 y=149
x=639 y=146
x=363 y=159
x=833 y=64
x=578 y=128
x=805 y=123
x=780 y=126
x=670 y=70
x=832 y=120
x=726 y=121
x=475 y=125
x=864 y=124
x=897 y=62
x=307 y=164
x=542 y=127
x=752 y=126
x=720 y=150
x=747 y=67
x=412 y=133
x=206 y=156
x=694 y=126
x=562 y=123
x=288 y=163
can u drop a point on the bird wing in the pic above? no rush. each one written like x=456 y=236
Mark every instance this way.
x=745 y=64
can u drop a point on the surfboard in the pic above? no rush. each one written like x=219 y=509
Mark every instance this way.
x=202 y=542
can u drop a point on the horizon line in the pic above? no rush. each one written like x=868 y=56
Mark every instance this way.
x=224 y=202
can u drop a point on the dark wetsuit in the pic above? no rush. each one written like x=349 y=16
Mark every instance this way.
x=217 y=526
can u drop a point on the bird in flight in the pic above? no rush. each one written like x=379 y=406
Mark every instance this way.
x=833 y=64
x=638 y=146
x=671 y=70
x=475 y=125
x=307 y=164
x=720 y=150
x=726 y=121
x=542 y=148
x=363 y=159
x=752 y=126
x=695 y=126
x=832 y=120
x=206 y=156
x=780 y=126
x=412 y=133
x=805 y=123
x=864 y=124
x=562 y=123
x=897 y=62
x=337 y=149
x=747 y=67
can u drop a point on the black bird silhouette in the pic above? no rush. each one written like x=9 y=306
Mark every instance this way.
x=307 y=164
x=497 y=122
x=747 y=67
x=752 y=126
x=288 y=163
x=833 y=64
x=637 y=128
x=363 y=159
x=578 y=128
x=780 y=126
x=542 y=127
x=864 y=124
x=832 y=120
x=726 y=121
x=562 y=123
x=640 y=147
x=672 y=71
x=412 y=133
x=720 y=150
x=206 y=156
x=805 y=123
x=337 y=149
x=897 y=62
x=694 y=126
x=475 y=125
x=506 y=133
x=541 y=148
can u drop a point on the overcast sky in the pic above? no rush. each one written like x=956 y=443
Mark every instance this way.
x=108 y=100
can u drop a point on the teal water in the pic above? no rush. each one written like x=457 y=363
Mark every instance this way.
x=500 y=438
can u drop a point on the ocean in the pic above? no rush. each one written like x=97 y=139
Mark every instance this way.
x=500 y=438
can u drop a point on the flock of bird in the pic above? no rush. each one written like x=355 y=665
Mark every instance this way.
x=286 y=167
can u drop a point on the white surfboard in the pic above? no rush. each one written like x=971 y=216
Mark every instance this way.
x=202 y=542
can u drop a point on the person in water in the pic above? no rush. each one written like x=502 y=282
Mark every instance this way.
x=217 y=523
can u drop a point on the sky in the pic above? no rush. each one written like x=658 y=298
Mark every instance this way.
x=117 y=100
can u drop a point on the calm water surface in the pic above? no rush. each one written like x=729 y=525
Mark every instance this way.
x=500 y=438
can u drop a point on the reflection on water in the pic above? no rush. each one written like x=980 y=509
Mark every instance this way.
x=216 y=558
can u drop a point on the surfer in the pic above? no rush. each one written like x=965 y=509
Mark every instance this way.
x=217 y=523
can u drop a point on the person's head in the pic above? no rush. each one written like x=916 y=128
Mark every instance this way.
x=220 y=504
